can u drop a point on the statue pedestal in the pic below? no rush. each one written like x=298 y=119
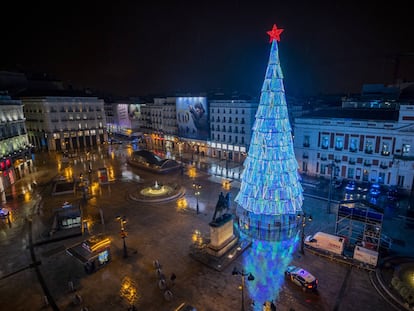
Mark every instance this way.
x=222 y=237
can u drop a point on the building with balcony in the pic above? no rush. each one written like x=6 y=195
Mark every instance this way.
x=231 y=122
x=15 y=149
x=365 y=140
x=63 y=120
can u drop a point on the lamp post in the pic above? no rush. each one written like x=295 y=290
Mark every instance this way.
x=332 y=167
x=122 y=221
x=302 y=218
x=197 y=188
x=243 y=274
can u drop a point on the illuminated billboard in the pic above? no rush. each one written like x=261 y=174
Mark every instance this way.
x=193 y=117
x=134 y=111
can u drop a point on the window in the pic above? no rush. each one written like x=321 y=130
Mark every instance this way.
x=351 y=160
x=351 y=172
x=306 y=140
x=383 y=165
x=323 y=169
x=381 y=177
x=385 y=151
x=305 y=155
x=406 y=149
x=325 y=142
x=353 y=145
x=339 y=143
x=369 y=147
x=400 y=181
x=305 y=166
x=367 y=162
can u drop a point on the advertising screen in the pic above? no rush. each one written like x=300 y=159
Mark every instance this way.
x=193 y=118
x=134 y=111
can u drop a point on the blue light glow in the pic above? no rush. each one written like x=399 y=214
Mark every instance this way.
x=267 y=261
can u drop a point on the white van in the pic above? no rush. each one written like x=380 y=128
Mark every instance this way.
x=325 y=241
x=365 y=255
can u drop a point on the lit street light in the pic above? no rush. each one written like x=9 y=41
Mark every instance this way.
x=122 y=221
x=304 y=220
x=197 y=188
x=243 y=274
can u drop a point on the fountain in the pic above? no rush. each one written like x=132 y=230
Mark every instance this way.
x=157 y=192
x=156 y=186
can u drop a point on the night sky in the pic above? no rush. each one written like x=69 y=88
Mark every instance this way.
x=144 y=47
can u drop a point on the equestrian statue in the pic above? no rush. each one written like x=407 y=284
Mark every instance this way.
x=223 y=204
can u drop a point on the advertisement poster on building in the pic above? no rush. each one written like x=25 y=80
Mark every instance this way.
x=192 y=117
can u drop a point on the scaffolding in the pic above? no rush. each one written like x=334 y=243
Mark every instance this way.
x=359 y=224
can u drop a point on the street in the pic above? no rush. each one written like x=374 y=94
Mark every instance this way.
x=162 y=232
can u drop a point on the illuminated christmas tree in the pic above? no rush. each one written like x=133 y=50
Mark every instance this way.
x=270 y=195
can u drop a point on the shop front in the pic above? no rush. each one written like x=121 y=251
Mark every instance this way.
x=93 y=253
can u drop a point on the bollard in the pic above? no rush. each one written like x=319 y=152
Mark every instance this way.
x=156 y=264
x=162 y=284
x=77 y=299
x=71 y=287
x=168 y=295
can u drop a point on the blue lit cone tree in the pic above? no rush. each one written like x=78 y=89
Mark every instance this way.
x=270 y=195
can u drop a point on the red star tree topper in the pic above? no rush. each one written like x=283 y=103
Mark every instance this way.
x=274 y=33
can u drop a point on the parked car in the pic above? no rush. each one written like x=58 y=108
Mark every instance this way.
x=393 y=193
x=362 y=188
x=4 y=213
x=350 y=186
x=302 y=278
x=375 y=190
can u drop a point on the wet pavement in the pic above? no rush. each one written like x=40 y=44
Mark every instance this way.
x=164 y=232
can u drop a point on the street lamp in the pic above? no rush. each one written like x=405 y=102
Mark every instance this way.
x=122 y=221
x=197 y=188
x=332 y=167
x=304 y=220
x=243 y=274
